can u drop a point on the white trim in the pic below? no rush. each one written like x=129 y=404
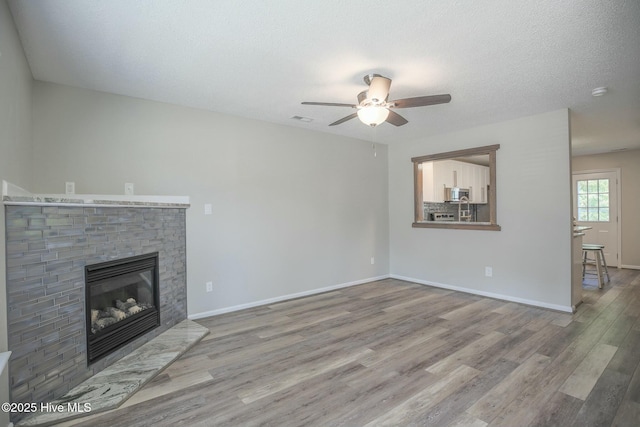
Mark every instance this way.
x=617 y=171
x=589 y=171
x=204 y=314
x=9 y=189
x=632 y=267
x=97 y=204
x=565 y=308
x=14 y=195
x=4 y=360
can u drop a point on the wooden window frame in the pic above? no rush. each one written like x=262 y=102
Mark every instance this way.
x=418 y=194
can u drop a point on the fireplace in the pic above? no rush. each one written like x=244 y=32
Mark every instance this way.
x=122 y=302
x=49 y=241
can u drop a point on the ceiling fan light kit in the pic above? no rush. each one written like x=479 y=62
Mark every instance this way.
x=373 y=115
x=373 y=107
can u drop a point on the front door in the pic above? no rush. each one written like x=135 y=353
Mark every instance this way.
x=595 y=204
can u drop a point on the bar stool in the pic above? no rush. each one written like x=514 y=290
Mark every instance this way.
x=598 y=260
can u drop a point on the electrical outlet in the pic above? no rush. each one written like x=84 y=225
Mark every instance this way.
x=208 y=209
x=488 y=271
x=373 y=260
x=209 y=286
x=70 y=188
x=128 y=188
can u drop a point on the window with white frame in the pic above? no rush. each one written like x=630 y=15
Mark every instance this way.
x=593 y=200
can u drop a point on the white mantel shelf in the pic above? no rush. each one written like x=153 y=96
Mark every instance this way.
x=14 y=195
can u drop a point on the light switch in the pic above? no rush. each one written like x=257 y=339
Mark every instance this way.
x=208 y=209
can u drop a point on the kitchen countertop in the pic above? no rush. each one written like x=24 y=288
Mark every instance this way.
x=457 y=222
x=578 y=230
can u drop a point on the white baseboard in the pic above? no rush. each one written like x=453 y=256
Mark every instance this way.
x=632 y=267
x=509 y=298
x=281 y=298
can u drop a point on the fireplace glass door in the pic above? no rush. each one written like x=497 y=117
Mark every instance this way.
x=122 y=302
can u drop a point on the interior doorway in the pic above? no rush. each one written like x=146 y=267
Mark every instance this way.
x=596 y=204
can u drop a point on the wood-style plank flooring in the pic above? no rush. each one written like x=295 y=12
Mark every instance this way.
x=392 y=353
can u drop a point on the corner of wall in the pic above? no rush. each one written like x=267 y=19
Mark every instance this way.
x=16 y=82
x=3 y=288
x=4 y=376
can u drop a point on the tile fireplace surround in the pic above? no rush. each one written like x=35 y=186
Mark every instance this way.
x=49 y=240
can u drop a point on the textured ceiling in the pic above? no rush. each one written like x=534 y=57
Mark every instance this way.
x=499 y=59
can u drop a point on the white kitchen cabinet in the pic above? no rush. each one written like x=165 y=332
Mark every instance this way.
x=440 y=174
x=428 y=182
x=435 y=177
x=444 y=173
x=484 y=184
x=479 y=183
x=463 y=174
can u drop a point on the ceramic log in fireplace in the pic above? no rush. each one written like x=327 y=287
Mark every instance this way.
x=122 y=302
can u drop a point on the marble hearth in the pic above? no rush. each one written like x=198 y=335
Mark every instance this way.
x=114 y=385
x=49 y=241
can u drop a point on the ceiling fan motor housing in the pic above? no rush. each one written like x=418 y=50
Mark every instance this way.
x=379 y=89
x=362 y=98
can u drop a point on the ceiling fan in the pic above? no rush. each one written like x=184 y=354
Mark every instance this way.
x=374 y=108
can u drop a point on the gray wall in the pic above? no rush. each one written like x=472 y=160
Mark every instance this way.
x=531 y=256
x=293 y=210
x=629 y=164
x=15 y=143
x=15 y=105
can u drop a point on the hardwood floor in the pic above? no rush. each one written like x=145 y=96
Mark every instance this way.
x=396 y=353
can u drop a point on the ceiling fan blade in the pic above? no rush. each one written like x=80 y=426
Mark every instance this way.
x=344 y=119
x=379 y=89
x=396 y=119
x=421 y=101
x=330 y=104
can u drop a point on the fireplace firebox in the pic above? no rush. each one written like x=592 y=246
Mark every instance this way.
x=122 y=302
